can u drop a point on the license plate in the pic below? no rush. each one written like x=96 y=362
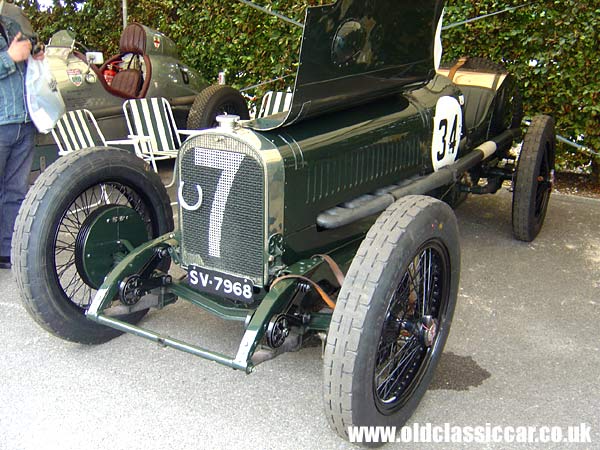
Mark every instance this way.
x=221 y=284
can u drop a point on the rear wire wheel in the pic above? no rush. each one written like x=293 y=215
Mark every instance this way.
x=392 y=316
x=56 y=217
x=534 y=179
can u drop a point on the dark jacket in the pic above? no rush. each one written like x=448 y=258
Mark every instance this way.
x=13 y=108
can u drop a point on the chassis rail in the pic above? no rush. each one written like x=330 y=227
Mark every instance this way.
x=277 y=301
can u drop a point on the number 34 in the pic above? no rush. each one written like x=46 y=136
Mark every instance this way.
x=450 y=145
x=447 y=131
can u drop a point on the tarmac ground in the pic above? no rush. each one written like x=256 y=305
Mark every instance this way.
x=524 y=350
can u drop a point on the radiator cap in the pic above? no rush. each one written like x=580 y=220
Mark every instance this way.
x=228 y=121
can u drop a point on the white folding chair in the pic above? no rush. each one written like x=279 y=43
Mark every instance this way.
x=78 y=129
x=151 y=123
x=275 y=102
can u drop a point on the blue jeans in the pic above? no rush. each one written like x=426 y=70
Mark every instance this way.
x=16 y=154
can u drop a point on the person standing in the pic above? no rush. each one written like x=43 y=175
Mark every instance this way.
x=17 y=132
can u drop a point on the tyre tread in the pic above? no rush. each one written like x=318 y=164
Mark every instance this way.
x=527 y=166
x=25 y=272
x=198 y=116
x=349 y=325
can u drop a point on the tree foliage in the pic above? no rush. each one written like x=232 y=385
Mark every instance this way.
x=550 y=45
x=552 y=48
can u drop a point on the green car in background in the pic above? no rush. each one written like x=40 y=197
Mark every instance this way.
x=87 y=80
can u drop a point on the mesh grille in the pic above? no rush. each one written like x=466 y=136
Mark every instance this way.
x=227 y=232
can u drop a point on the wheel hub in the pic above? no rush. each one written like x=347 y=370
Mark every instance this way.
x=428 y=330
x=277 y=331
x=109 y=231
x=130 y=290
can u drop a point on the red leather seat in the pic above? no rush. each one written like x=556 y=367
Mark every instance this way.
x=129 y=82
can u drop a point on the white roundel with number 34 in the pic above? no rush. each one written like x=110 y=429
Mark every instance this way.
x=447 y=129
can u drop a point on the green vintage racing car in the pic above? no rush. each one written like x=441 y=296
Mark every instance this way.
x=330 y=220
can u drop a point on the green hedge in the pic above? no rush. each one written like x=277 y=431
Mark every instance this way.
x=211 y=35
x=561 y=37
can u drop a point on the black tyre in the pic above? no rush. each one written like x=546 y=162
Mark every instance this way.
x=45 y=251
x=393 y=316
x=213 y=101
x=533 y=181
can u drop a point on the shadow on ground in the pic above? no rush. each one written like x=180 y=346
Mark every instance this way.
x=458 y=373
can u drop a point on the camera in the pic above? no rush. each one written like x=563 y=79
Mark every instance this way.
x=36 y=45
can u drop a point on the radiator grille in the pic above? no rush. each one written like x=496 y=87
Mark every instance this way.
x=226 y=233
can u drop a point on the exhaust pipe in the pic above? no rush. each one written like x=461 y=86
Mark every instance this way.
x=339 y=216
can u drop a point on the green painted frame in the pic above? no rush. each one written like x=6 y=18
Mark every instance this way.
x=257 y=318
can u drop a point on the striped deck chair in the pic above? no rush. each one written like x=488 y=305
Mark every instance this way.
x=275 y=102
x=151 y=122
x=77 y=130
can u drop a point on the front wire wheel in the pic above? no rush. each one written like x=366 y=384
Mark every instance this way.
x=410 y=328
x=393 y=316
x=71 y=205
x=75 y=286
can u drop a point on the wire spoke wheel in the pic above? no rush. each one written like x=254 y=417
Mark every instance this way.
x=410 y=327
x=228 y=108
x=73 y=220
x=533 y=180
x=544 y=183
x=392 y=316
x=214 y=101
x=78 y=221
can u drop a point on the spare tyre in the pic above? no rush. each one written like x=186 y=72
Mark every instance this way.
x=214 y=101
